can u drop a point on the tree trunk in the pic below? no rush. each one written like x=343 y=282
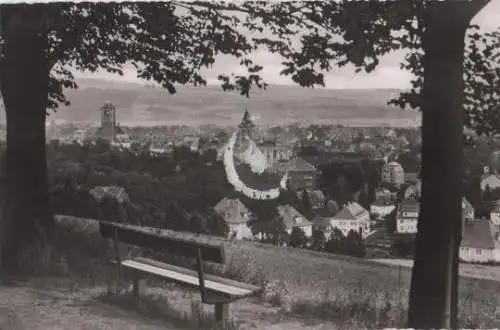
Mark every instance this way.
x=433 y=295
x=24 y=78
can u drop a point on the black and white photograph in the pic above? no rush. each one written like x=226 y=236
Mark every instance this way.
x=238 y=165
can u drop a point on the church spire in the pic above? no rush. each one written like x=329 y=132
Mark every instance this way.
x=246 y=122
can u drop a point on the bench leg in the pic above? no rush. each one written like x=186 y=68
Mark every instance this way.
x=139 y=287
x=222 y=312
x=196 y=312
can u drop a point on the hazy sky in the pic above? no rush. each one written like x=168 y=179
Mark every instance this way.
x=387 y=75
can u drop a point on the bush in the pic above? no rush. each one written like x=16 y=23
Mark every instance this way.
x=318 y=240
x=298 y=238
x=352 y=245
x=403 y=246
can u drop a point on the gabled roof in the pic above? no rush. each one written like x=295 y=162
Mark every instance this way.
x=409 y=205
x=296 y=164
x=466 y=205
x=477 y=234
x=232 y=210
x=411 y=177
x=351 y=211
x=322 y=219
x=492 y=181
x=291 y=217
x=332 y=206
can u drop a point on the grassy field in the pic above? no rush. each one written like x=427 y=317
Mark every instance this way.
x=334 y=291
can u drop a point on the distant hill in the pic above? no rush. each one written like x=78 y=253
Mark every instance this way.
x=138 y=104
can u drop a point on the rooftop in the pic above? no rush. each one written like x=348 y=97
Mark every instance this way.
x=477 y=234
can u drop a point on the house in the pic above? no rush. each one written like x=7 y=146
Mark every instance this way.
x=236 y=215
x=495 y=214
x=352 y=217
x=382 y=207
x=292 y=218
x=302 y=174
x=413 y=191
x=492 y=181
x=468 y=211
x=407 y=216
x=393 y=173
x=321 y=221
x=478 y=243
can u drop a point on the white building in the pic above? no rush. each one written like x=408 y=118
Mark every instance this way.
x=236 y=215
x=382 y=207
x=393 y=173
x=491 y=181
x=407 y=217
x=292 y=218
x=408 y=211
x=352 y=217
x=495 y=214
x=478 y=242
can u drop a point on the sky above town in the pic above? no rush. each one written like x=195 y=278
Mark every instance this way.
x=387 y=75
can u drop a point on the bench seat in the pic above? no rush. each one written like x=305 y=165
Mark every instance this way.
x=215 y=285
x=214 y=290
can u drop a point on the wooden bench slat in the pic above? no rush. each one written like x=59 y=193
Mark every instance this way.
x=187 y=271
x=192 y=280
x=134 y=236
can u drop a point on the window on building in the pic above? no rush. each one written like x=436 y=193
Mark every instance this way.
x=479 y=251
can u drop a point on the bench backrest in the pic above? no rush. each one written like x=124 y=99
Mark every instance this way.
x=150 y=240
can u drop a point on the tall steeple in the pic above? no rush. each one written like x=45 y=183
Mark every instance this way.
x=246 y=129
x=246 y=125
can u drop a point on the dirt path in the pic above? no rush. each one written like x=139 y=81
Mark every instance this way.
x=466 y=270
x=41 y=306
x=27 y=307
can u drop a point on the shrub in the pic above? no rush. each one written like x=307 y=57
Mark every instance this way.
x=298 y=238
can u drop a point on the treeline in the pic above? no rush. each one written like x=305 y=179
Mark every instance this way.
x=175 y=191
x=336 y=243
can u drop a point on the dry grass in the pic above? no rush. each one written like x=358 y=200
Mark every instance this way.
x=356 y=290
x=349 y=293
x=159 y=306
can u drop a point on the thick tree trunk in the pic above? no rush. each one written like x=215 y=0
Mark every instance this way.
x=433 y=295
x=24 y=77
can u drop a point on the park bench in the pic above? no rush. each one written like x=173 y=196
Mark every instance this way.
x=214 y=290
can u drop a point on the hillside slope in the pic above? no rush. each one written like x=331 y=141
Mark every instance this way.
x=141 y=105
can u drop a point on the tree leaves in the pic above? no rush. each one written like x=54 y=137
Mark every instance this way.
x=481 y=81
x=171 y=42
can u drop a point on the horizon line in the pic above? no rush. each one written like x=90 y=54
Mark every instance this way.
x=213 y=84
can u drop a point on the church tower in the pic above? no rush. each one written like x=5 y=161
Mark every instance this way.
x=246 y=127
x=108 y=121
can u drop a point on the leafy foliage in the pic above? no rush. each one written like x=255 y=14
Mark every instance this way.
x=481 y=80
x=403 y=246
x=318 y=240
x=305 y=205
x=298 y=238
x=171 y=43
x=165 y=42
